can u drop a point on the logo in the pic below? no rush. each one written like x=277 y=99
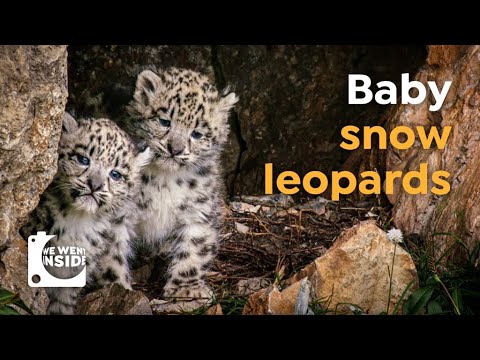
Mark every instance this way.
x=41 y=256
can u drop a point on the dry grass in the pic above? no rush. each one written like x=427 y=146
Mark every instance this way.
x=282 y=240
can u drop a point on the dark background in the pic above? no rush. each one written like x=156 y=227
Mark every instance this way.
x=293 y=99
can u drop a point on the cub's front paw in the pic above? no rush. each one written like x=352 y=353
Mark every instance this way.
x=59 y=308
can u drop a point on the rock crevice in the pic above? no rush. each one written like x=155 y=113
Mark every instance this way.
x=235 y=127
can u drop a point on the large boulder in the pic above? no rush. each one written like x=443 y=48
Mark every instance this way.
x=363 y=269
x=456 y=213
x=33 y=93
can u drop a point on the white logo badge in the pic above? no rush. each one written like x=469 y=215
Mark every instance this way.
x=40 y=256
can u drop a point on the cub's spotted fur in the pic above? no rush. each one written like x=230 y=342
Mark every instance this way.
x=89 y=204
x=184 y=120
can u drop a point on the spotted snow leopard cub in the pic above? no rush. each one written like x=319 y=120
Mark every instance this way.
x=89 y=204
x=184 y=120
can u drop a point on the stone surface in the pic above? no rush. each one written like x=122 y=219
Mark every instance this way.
x=166 y=307
x=355 y=270
x=283 y=303
x=272 y=301
x=257 y=303
x=456 y=212
x=13 y=276
x=286 y=93
x=33 y=93
x=241 y=228
x=32 y=101
x=214 y=310
x=114 y=299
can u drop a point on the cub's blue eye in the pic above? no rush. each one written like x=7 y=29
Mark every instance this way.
x=83 y=160
x=165 y=123
x=115 y=175
x=197 y=135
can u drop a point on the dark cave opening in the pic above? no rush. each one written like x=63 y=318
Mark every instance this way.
x=293 y=99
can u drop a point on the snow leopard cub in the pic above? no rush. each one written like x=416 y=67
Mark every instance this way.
x=184 y=120
x=89 y=204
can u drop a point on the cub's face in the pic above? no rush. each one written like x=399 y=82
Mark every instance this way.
x=182 y=118
x=98 y=167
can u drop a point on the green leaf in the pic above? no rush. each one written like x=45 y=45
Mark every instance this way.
x=6 y=296
x=19 y=302
x=434 y=308
x=7 y=310
x=457 y=298
x=397 y=306
x=418 y=300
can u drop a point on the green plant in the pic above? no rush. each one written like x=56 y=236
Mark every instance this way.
x=233 y=304
x=456 y=290
x=402 y=297
x=8 y=301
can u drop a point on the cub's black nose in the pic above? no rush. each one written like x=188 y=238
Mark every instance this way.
x=175 y=149
x=94 y=184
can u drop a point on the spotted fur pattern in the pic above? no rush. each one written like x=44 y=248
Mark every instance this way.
x=89 y=204
x=184 y=120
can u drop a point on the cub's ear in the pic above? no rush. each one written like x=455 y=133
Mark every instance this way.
x=144 y=156
x=70 y=125
x=226 y=102
x=220 y=114
x=147 y=86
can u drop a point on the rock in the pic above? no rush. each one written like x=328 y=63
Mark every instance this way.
x=214 y=310
x=164 y=307
x=303 y=298
x=286 y=93
x=242 y=207
x=13 y=276
x=456 y=212
x=241 y=228
x=114 y=299
x=249 y=286
x=258 y=303
x=32 y=101
x=33 y=94
x=272 y=301
x=283 y=302
x=355 y=271
x=157 y=303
